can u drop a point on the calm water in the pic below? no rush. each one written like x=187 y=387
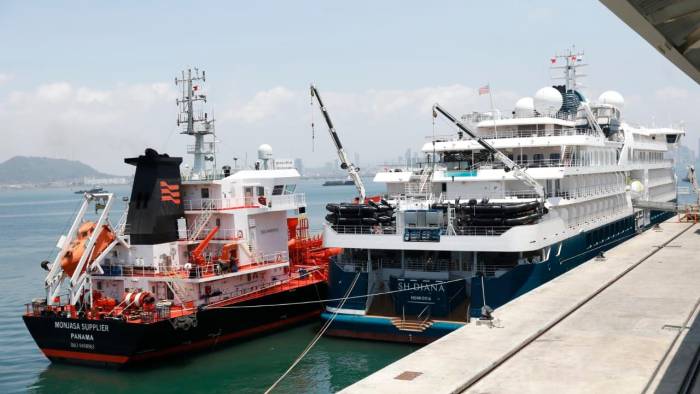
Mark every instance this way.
x=30 y=223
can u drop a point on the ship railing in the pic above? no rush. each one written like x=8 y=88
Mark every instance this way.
x=519 y=132
x=481 y=230
x=223 y=234
x=192 y=272
x=62 y=307
x=218 y=203
x=476 y=117
x=284 y=201
x=360 y=229
x=275 y=257
x=428 y=265
x=393 y=230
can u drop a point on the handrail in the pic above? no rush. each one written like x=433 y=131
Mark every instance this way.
x=275 y=201
x=393 y=230
x=519 y=132
x=193 y=272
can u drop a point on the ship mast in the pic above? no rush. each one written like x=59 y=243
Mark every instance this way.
x=569 y=63
x=198 y=125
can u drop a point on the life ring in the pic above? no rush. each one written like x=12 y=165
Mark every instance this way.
x=262 y=200
x=239 y=234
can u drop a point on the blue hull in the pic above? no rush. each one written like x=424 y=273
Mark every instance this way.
x=499 y=291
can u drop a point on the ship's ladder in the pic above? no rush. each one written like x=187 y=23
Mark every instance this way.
x=566 y=155
x=201 y=221
x=177 y=289
x=424 y=178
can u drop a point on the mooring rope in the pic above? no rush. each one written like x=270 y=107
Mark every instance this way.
x=316 y=338
x=331 y=299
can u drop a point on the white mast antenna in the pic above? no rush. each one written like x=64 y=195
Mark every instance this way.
x=569 y=63
x=198 y=125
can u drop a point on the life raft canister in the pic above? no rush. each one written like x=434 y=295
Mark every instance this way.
x=138 y=298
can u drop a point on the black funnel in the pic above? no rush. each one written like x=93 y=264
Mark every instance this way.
x=155 y=203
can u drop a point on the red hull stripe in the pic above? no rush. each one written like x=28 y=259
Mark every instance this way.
x=106 y=358
x=180 y=348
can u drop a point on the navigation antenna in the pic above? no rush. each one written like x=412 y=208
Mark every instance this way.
x=569 y=63
x=198 y=124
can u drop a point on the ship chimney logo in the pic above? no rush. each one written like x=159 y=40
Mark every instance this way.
x=169 y=193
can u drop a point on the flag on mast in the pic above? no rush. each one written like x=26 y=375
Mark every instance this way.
x=486 y=89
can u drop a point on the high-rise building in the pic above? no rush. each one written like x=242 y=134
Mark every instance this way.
x=299 y=165
x=357 y=159
x=408 y=157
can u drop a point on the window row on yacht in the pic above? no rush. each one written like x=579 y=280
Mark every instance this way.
x=592 y=210
x=568 y=156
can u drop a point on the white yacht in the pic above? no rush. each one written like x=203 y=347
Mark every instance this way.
x=498 y=208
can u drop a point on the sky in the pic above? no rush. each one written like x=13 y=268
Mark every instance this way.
x=93 y=81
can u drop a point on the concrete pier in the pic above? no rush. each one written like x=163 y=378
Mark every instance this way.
x=623 y=324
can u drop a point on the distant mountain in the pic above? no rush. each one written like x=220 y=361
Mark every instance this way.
x=37 y=170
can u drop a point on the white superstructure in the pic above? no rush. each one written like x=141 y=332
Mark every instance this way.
x=535 y=193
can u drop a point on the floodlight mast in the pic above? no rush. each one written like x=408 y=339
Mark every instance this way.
x=345 y=163
x=509 y=164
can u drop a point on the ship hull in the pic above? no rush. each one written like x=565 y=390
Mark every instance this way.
x=116 y=343
x=351 y=322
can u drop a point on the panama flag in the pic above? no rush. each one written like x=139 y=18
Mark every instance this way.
x=484 y=90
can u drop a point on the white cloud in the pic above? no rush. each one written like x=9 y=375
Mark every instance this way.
x=262 y=105
x=101 y=126
x=4 y=78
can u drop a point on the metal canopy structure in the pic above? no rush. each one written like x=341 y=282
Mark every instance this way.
x=670 y=26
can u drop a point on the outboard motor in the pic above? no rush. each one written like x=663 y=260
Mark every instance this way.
x=155 y=203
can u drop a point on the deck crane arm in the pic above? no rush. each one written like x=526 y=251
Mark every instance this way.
x=509 y=164
x=345 y=163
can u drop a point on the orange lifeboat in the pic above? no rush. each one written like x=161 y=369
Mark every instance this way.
x=75 y=251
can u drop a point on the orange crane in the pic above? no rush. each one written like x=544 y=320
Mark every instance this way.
x=196 y=255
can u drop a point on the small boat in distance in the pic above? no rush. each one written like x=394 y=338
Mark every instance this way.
x=96 y=189
x=347 y=182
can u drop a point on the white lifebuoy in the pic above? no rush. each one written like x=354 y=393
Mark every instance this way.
x=239 y=234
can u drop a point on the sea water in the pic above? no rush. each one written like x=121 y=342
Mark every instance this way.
x=31 y=221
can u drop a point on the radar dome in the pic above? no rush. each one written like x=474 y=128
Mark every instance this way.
x=548 y=101
x=264 y=152
x=613 y=98
x=637 y=188
x=525 y=107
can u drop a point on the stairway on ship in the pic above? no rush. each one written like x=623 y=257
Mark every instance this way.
x=383 y=305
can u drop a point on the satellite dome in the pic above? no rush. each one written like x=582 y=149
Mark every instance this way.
x=613 y=98
x=548 y=101
x=637 y=188
x=525 y=107
x=264 y=152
